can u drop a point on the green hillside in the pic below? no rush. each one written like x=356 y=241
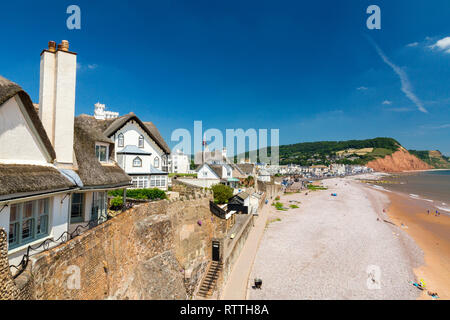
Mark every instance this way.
x=346 y=152
x=434 y=158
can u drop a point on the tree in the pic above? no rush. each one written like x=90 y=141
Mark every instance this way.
x=222 y=193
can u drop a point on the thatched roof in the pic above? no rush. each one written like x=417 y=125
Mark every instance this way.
x=246 y=168
x=217 y=168
x=18 y=179
x=155 y=132
x=88 y=131
x=148 y=127
x=9 y=89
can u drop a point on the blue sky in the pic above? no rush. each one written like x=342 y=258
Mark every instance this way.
x=310 y=68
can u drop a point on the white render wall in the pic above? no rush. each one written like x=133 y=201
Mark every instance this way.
x=131 y=132
x=66 y=70
x=204 y=183
x=206 y=172
x=17 y=140
x=180 y=161
x=47 y=92
x=58 y=224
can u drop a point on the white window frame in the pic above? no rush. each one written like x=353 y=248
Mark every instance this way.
x=121 y=140
x=156 y=162
x=100 y=145
x=38 y=218
x=141 y=141
x=140 y=162
x=158 y=181
x=140 y=182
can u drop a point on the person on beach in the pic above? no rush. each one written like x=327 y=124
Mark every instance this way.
x=428 y=212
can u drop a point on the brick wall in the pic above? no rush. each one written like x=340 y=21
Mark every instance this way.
x=157 y=250
x=8 y=288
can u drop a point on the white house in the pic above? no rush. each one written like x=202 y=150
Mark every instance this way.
x=140 y=150
x=45 y=161
x=101 y=114
x=217 y=173
x=179 y=162
x=264 y=175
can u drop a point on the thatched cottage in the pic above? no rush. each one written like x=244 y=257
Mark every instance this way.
x=55 y=170
x=140 y=150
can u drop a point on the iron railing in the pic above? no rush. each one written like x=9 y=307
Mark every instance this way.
x=45 y=245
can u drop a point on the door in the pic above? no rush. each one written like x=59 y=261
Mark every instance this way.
x=216 y=251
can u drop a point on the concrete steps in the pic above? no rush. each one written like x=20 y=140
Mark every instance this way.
x=209 y=282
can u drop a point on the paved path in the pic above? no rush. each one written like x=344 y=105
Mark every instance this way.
x=236 y=286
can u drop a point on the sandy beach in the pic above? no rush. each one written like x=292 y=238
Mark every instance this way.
x=432 y=234
x=335 y=248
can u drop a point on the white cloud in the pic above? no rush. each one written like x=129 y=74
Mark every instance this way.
x=442 y=45
x=92 y=66
x=414 y=44
x=387 y=102
x=406 y=84
x=362 y=88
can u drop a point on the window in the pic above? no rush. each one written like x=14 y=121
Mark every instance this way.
x=140 y=182
x=157 y=181
x=156 y=162
x=141 y=142
x=101 y=152
x=99 y=210
x=121 y=140
x=76 y=213
x=137 y=162
x=28 y=221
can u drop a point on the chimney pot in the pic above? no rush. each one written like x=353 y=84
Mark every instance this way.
x=65 y=45
x=52 y=46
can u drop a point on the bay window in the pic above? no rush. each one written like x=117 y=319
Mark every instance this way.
x=140 y=182
x=157 y=181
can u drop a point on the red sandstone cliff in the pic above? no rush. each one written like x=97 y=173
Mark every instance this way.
x=400 y=160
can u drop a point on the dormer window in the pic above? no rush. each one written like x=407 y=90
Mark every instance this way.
x=156 y=162
x=121 y=140
x=101 y=152
x=137 y=162
x=141 y=142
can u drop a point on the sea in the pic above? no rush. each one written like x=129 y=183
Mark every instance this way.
x=432 y=186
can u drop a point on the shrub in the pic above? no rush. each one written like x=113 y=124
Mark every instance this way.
x=277 y=198
x=116 y=203
x=314 y=188
x=144 y=194
x=222 y=193
x=294 y=206
x=279 y=206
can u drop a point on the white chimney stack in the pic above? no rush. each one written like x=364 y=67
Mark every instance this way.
x=57 y=98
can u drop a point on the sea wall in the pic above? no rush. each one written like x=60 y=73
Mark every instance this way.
x=156 y=250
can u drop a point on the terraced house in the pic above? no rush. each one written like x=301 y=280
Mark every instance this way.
x=55 y=169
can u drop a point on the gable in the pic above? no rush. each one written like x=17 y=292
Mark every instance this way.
x=131 y=132
x=210 y=173
x=148 y=127
x=18 y=137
